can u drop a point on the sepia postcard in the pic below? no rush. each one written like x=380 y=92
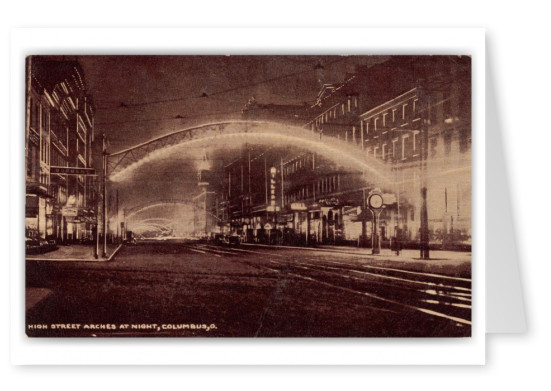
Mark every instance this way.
x=248 y=196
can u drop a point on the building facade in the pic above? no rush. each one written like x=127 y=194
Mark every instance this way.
x=410 y=115
x=60 y=205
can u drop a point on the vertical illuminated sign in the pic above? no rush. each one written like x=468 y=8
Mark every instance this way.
x=273 y=172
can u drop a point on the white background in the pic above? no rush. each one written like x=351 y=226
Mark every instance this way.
x=518 y=54
x=245 y=351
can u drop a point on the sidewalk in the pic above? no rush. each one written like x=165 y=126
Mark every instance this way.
x=75 y=252
x=35 y=296
x=405 y=255
x=452 y=263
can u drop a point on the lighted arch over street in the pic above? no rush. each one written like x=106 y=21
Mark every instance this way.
x=219 y=134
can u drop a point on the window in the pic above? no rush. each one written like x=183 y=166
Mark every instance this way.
x=404 y=140
x=35 y=114
x=45 y=121
x=384 y=151
x=447 y=105
x=404 y=106
x=415 y=139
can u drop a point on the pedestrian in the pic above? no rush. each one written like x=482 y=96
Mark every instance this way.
x=397 y=245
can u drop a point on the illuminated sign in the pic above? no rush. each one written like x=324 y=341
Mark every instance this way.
x=298 y=206
x=273 y=172
x=72 y=170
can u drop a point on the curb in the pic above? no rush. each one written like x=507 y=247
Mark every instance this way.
x=78 y=259
x=316 y=249
x=374 y=256
x=114 y=253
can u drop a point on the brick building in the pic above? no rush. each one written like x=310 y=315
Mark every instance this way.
x=59 y=135
x=410 y=114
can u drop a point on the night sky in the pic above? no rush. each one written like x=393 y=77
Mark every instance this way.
x=139 y=97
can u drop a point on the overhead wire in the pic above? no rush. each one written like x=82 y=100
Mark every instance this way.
x=124 y=105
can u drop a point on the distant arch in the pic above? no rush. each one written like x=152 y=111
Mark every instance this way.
x=131 y=212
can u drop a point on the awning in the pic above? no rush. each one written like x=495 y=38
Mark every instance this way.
x=37 y=189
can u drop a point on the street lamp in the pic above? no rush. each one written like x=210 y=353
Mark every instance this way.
x=376 y=205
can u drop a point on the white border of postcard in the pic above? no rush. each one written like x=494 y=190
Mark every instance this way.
x=227 y=351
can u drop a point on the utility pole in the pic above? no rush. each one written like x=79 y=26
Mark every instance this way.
x=282 y=185
x=424 y=234
x=117 y=212
x=96 y=247
x=363 y=238
x=104 y=152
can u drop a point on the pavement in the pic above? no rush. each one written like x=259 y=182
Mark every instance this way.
x=75 y=253
x=451 y=263
x=70 y=253
x=252 y=291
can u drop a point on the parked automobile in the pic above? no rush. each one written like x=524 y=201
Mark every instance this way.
x=130 y=238
x=234 y=239
x=226 y=240
x=39 y=245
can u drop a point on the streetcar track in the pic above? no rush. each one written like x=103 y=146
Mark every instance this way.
x=434 y=275
x=209 y=250
x=389 y=277
x=447 y=294
x=377 y=275
x=371 y=295
x=424 y=310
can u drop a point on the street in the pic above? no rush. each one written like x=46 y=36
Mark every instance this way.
x=196 y=289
